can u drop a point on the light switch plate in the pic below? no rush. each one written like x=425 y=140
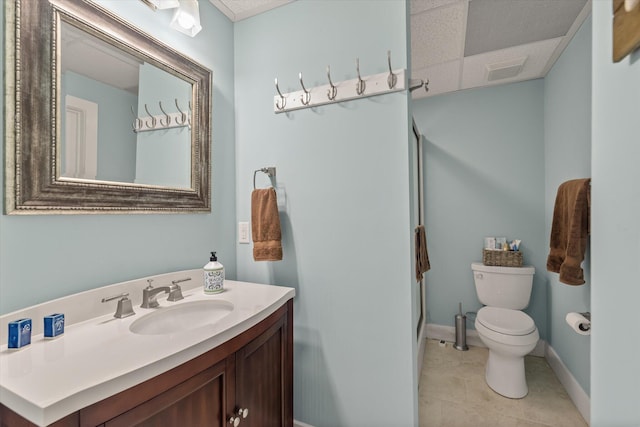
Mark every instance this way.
x=243 y=232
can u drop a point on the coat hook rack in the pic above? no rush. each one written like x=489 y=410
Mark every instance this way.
x=162 y=121
x=360 y=87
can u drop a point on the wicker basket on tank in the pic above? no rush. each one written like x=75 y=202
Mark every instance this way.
x=502 y=258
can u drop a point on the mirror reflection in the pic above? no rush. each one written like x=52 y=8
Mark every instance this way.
x=122 y=119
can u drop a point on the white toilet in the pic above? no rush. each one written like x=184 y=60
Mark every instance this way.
x=509 y=333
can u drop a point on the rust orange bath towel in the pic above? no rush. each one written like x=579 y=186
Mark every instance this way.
x=569 y=231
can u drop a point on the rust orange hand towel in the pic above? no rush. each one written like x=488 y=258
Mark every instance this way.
x=265 y=225
x=569 y=231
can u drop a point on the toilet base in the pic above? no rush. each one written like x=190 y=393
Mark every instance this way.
x=505 y=375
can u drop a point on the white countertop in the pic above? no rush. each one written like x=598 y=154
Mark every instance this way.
x=99 y=357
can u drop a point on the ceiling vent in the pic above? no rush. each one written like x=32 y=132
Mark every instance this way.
x=505 y=69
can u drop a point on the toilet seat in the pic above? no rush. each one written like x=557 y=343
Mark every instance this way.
x=506 y=321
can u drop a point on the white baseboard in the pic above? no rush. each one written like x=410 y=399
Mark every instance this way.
x=571 y=385
x=297 y=423
x=448 y=333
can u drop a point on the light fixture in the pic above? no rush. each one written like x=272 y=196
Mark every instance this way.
x=164 y=4
x=187 y=18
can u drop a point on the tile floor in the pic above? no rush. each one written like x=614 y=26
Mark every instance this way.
x=453 y=393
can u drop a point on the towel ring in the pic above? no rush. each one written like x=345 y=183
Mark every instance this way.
x=270 y=171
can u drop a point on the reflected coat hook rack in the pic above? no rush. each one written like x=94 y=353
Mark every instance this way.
x=161 y=121
x=360 y=87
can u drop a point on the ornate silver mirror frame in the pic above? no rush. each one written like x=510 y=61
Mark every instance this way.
x=32 y=116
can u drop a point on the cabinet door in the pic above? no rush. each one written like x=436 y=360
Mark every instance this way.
x=264 y=378
x=198 y=401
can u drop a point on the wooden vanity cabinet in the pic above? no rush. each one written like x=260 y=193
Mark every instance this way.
x=253 y=371
x=260 y=380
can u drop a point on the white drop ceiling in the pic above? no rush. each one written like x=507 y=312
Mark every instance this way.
x=456 y=43
x=237 y=10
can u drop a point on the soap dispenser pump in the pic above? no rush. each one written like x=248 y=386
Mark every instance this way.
x=213 y=276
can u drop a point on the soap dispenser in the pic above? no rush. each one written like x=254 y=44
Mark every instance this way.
x=213 y=276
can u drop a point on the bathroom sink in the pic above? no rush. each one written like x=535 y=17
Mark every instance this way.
x=181 y=317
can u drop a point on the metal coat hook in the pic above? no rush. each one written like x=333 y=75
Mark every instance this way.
x=333 y=89
x=168 y=117
x=306 y=97
x=137 y=123
x=183 y=115
x=283 y=100
x=153 y=119
x=360 y=85
x=392 y=79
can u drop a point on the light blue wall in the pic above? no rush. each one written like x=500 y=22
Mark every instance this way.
x=346 y=224
x=44 y=257
x=615 y=230
x=567 y=143
x=344 y=169
x=116 y=140
x=484 y=176
x=163 y=156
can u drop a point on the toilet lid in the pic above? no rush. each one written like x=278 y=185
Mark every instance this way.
x=506 y=321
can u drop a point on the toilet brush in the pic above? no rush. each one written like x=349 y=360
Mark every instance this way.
x=461 y=330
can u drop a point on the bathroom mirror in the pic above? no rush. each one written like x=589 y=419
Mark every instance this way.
x=100 y=117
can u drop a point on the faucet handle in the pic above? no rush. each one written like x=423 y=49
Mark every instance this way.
x=124 y=309
x=149 y=282
x=176 y=293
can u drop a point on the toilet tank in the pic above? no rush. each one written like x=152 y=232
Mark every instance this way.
x=506 y=287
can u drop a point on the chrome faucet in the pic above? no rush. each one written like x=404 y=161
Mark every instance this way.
x=150 y=294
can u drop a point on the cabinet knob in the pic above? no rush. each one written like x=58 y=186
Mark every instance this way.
x=240 y=412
